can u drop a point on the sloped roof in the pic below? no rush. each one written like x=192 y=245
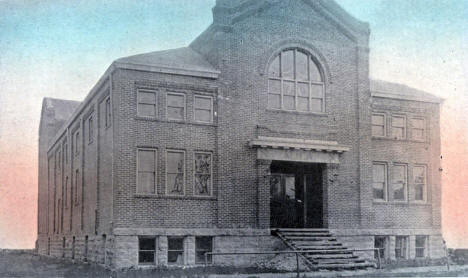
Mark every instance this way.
x=183 y=61
x=62 y=108
x=380 y=88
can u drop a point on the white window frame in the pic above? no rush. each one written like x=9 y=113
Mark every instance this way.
x=385 y=199
x=384 y=124
x=211 y=173
x=426 y=247
x=184 y=106
x=405 y=247
x=405 y=127
x=423 y=129
x=295 y=80
x=425 y=185
x=166 y=171
x=198 y=108
x=155 y=151
x=405 y=189
x=156 y=110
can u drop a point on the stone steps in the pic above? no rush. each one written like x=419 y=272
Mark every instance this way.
x=324 y=251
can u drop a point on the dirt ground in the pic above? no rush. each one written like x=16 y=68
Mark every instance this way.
x=27 y=264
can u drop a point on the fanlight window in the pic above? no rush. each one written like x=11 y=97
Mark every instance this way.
x=295 y=83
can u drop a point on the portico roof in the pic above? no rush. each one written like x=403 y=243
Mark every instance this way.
x=299 y=150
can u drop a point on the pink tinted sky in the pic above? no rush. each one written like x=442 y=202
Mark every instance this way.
x=58 y=48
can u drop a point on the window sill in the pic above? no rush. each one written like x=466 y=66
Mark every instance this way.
x=319 y=114
x=151 y=119
x=154 y=196
x=401 y=203
x=143 y=118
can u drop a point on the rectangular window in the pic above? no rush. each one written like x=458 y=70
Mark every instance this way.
x=401 y=247
x=175 y=172
x=380 y=242
x=108 y=112
x=65 y=151
x=77 y=143
x=175 y=250
x=90 y=129
x=419 y=182
x=58 y=160
x=418 y=129
x=203 y=245
x=175 y=106
x=379 y=181
x=146 y=176
x=421 y=246
x=378 y=125
x=399 y=182
x=66 y=192
x=146 y=250
x=147 y=105
x=398 y=127
x=203 y=109
x=203 y=177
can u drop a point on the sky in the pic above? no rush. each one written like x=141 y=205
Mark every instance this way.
x=60 y=48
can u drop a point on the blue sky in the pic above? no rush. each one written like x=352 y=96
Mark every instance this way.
x=59 y=48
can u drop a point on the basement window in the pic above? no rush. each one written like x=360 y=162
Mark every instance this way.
x=380 y=242
x=421 y=246
x=401 y=247
x=203 y=245
x=146 y=250
x=175 y=250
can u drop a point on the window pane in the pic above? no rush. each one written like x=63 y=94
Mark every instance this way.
x=146 y=97
x=380 y=243
x=274 y=96
x=175 y=184
x=274 y=70
x=203 y=245
x=378 y=173
x=146 y=160
x=399 y=182
x=146 y=182
x=275 y=187
x=419 y=174
x=303 y=89
x=175 y=100
x=302 y=104
x=146 y=257
x=175 y=162
x=175 y=257
x=419 y=192
x=378 y=120
x=289 y=100
x=314 y=72
x=378 y=191
x=287 y=64
x=290 y=187
x=378 y=130
x=398 y=133
x=302 y=71
x=175 y=113
x=316 y=105
x=147 y=244
x=203 y=116
x=203 y=163
x=398 y=121
x=420 y=241
x=202 y=102
x=288 y=88
x=175 y=243
x=316 y=91
x=203 y=185
x=147 y=110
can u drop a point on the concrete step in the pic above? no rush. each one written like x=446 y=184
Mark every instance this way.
x=308 y=238
x=312 y=247
x=316 y=243
x=331 y=256
x=343 y=266
x=306 y=234
x=301 y=230
x=339 y=261
x=328 y=252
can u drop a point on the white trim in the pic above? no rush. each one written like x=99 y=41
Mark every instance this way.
x=384 y=124
x=168 y=70
x=405 y=126
x=404 y=97
x=211 y=174
x=185 y=172
x=211 y=108
x=425 y=191
x=155 y=151
x=156 y=102
x=385 y=189
x=185 y=106
x=405 y=189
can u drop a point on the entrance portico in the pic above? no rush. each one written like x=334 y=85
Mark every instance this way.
x=295 y=173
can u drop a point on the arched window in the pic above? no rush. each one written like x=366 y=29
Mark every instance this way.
x=295 y=82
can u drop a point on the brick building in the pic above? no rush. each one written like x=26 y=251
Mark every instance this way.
x=267 y=120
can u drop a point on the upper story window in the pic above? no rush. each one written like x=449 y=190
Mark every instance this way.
x=77 y=143
x=108 y=112
x=295 y=83
x=419 y=181
x=399 y=182
x=175 y=172
x=417 y=129
x=147 y=105
x=90 y=129
x=146 y=168
x=379 y=181
x=203 y=109
x=175 y=106
x=378 y=125
x=398 y=127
